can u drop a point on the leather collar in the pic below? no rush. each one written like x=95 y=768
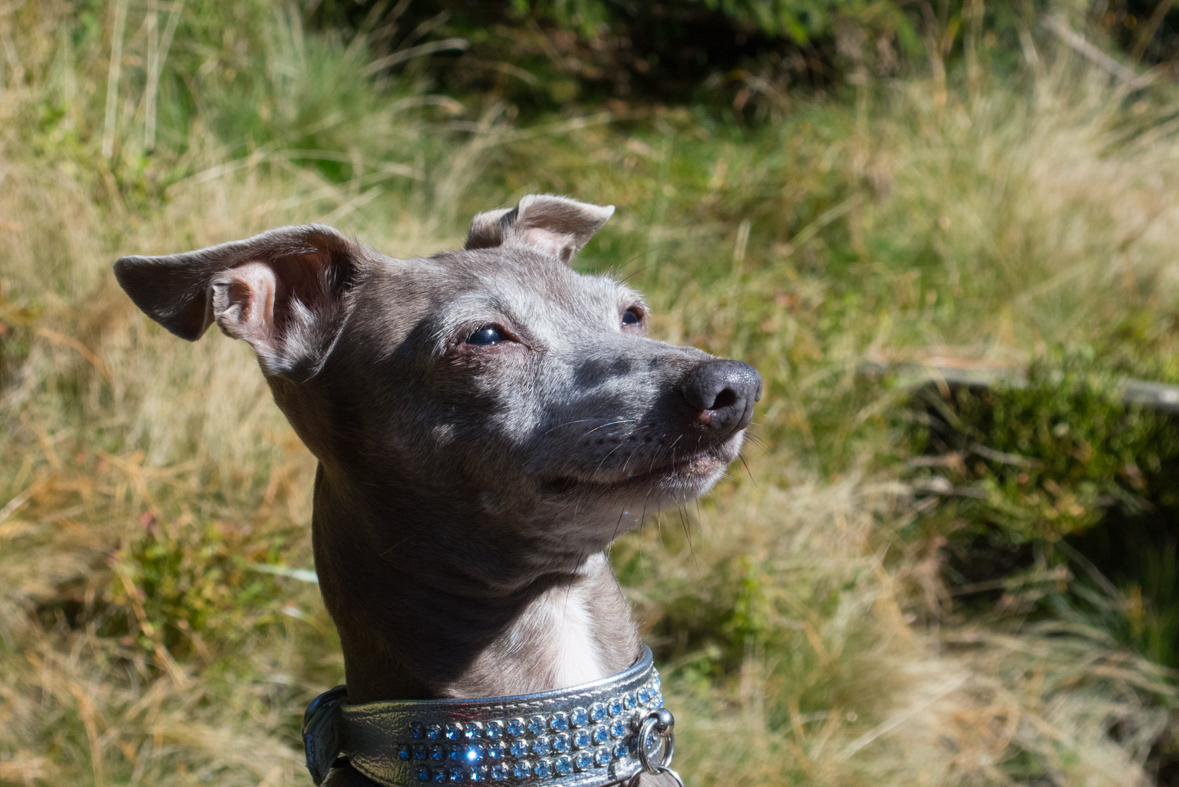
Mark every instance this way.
x=584 y=736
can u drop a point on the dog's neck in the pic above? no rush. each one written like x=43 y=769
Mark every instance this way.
x=420 y=618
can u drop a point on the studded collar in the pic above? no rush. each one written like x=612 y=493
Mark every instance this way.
x=584 y=736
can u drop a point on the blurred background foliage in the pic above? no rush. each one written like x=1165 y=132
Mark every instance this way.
x=900 y=583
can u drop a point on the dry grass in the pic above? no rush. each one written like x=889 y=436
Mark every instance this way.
x=113 y=433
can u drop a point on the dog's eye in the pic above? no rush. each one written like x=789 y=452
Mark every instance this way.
x=488 y=334
x=631 y=317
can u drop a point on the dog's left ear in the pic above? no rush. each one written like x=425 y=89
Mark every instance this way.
x=283 y=292
x=551 y=225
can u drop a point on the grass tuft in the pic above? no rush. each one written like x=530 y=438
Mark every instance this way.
x=143 y=479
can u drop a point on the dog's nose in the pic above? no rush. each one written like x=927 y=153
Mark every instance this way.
x=723 y=392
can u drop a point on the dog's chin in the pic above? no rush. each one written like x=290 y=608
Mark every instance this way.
x=675 y=480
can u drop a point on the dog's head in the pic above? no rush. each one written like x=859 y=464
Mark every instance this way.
x=494 y=383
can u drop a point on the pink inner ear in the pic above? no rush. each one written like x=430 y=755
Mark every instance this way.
x=246 y=309
x=255 y=301
x=557 y=244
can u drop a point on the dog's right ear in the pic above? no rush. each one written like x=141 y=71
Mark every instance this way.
x=281 y=291
x=558 y=226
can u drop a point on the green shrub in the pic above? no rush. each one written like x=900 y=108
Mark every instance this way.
x=1057 y=500
x=184 y=581
x=1042 y=460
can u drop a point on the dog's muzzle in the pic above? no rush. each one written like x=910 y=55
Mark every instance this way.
x=586 y=736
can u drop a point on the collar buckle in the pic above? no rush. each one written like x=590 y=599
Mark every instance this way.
x=321 y=732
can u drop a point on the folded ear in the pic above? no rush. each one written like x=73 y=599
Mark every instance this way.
x=551 y=225
x=281 y=291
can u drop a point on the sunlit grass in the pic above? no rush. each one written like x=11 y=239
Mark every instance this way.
x=785 y=608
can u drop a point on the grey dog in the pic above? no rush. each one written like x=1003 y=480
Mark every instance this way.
x=486 y=422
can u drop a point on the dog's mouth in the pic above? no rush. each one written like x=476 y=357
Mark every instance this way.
x=687 y=474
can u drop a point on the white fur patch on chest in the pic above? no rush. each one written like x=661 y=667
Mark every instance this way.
x=577 y=657
x=554 y=638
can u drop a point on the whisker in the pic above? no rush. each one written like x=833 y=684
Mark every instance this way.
x=570 y=423
x=762 y=446
x=612 y=423
x=747 y=470
x=618 y=526
x=673 y=442
x=632 y=456
x=688 y=535
x=604 y=458
x=569 y=587
x=632 y=274
x=399 y=543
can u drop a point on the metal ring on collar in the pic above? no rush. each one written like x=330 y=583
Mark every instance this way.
x=656 y=728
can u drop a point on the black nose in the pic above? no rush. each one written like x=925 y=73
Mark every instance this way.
x=723 y=392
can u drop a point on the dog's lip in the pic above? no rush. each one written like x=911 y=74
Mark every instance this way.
x=698 y=467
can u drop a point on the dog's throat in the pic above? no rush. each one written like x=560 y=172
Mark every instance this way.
x=572 y=633
x=577 y=657
x=558 y=629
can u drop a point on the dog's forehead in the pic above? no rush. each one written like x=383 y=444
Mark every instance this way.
x=524 y=274
x=449 y=290
x=521 y=283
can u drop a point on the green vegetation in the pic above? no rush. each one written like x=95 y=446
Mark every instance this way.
x=1054 y=490
x=820 y=618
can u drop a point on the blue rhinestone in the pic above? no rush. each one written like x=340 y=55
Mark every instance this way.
x=536 y=725
x=452 y=752
x=477 y=773
x=600 y=735
x=438 y=774
x=472 y=753
x=563 y=766
x=521 y=769
x=457 y=774
x=656 y=681
x=581 y=739
x=602 y=757
x=617 y=728
x=628 y=701
x=614 y=708
x=579 y=717
x=543 y=769
x=404 y=751
x=434 y=732
x=561 y=743
x=499 y=772
x=559 y=722
x=657 y=700
x=473 y=731
x=420 y=752
x=518 y=749
x=495 y=751
x=423 y=773
x=583 y=760
x=515 y=727
x=494 y=730
x=437 y=752
x=417 y=731
x=454 y=732
x=620 y=749
x=597 y=711
x=644 y=695
x=540 y=746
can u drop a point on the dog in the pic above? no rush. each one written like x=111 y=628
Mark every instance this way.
x=487 y=421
